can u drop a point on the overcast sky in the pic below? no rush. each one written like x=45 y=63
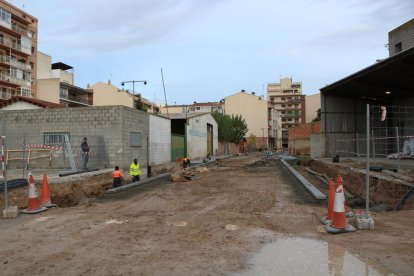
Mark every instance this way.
x=210 y=49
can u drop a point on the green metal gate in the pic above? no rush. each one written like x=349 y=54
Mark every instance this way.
x=177 y=146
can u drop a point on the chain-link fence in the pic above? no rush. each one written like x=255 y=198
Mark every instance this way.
x=391 y=148
x=391 y=136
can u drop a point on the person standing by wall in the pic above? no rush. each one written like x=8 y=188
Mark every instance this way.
x=85 y=153
x=134 y=171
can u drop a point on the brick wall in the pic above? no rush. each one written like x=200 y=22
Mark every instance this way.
x=304 y=130
x=299 y=137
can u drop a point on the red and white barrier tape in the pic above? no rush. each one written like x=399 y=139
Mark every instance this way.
x=34 y=146
x=376 y=138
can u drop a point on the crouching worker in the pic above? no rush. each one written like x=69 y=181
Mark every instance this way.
x=186 y=162
x=134 y=171
x=117 y=177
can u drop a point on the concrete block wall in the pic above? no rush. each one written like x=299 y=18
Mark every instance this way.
x=160 y=140
x=114 y=123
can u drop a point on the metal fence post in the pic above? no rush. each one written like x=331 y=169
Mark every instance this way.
x=4 y=169
x=398 y=148
x=357 y=148
x=367 y=169
x=373 y=144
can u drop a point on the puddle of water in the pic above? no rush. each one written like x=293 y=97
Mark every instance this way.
x=113 y=221
x=297 y=256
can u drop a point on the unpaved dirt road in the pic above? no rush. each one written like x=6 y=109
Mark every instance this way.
x=209 y=226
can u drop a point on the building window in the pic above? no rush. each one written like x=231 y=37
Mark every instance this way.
x=26 y=43
x=25 y=92
x=64 y=93
x=197 y=108
x=5 y=15
x=398 y=47
x=135 y=139
x=55 y=138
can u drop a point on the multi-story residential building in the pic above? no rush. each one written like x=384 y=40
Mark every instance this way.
x=104 y=94
x=195 y=107
x=275 y=128
x=55 y=83
x=401 y=38
x=18 y=51
x=286 y=97
x=312 y=105
x=254 y=111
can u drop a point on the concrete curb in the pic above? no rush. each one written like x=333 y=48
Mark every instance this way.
x=311 y=189
x=151 y=179
x=136 y=184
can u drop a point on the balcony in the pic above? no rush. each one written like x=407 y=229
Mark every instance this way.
x=291 y=115
x=74 y=96
x=6 y=77
x=7 y=93
x=21 y=31
x=7 y=42
x=8 y=24
x=14 y=63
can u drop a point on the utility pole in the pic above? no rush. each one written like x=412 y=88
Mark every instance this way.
x=263 y=138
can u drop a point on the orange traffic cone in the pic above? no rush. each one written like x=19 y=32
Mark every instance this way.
x=45 y=199
x=33 y=204
x=348 y=212
x=328 y=218
x=339 y=223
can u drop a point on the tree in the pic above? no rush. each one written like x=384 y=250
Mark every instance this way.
x=138 y=103
x=230 y=128
x=239 y=128
x=318 y=116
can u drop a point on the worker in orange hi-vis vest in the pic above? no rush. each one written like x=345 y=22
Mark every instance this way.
x=117 y=177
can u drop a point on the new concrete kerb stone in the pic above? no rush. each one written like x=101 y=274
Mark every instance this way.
x=314 y=191
x=152 y=179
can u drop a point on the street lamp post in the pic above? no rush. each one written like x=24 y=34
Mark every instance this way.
x=133 y=84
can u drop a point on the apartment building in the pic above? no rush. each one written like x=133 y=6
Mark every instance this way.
x=401 y=38
x=286 y=97
x=18 y=52
x=104 y=94
x=55 y=83
x=312 y=105
x=275 y=128
x=195 y=107
x=254 y=111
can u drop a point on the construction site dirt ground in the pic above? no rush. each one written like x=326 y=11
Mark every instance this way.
x=213 y=225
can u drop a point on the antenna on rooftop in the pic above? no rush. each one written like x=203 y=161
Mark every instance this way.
x=165 y=95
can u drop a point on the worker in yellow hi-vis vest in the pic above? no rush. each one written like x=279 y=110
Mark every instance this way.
x=134 y=171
